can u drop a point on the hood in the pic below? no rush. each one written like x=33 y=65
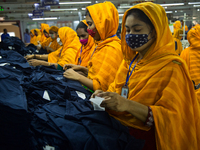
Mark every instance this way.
x=164 y=43
x=106 y=18
x=193 y=37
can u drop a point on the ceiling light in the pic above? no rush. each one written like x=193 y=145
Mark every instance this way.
x=121 y=14
x=52 y=18
x=172 y=4
x=168 y=12
x=30 y=14
x=68 y=3
x=196 y=5
x=96 y=1
x=84 y=16
x=192 y=3
x=125 y=6
x=198 y=9
x=64 y=9
x=175 y=11
x=83 y=8
x=165 y=7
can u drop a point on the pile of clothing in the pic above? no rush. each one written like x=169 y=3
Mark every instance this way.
x=40 y=108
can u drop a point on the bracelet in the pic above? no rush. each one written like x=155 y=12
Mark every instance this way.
x=150 y=121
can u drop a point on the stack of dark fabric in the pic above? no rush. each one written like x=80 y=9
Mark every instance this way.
x=14 y=43
x=39 y=107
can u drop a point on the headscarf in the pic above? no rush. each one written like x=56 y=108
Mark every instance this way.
x=33 y=39
x=177 y=25
x=192 y=54
x=43 y=26
x=107 y=56
x=38 y=37
x=67 y=53
x=86 y=50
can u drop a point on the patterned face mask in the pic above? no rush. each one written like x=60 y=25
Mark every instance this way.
x=59 y=41
x=136 y=40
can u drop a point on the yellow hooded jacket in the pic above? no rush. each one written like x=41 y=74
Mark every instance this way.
x=161 y=81
x=67 y=53
x=86 y=51
x=107 y=56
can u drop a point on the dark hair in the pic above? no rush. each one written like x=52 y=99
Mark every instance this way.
x=45 y=31
x=4 y=30
x=82 y=25
x=87 y=13
x=141 y=16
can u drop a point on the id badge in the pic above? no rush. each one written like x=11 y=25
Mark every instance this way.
x=124 y=92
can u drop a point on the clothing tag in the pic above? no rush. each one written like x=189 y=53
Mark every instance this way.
x=47 y=147
x=3 y=64
x=96 y=103
x=46 y=95
x=81 y=95
x=124 y=92
x=10 y=47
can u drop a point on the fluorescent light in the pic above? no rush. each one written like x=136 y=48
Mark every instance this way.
x=165 y=7
x=96 y=1
x=198 y=9
x=168 y=12
x=172 y=4
x=30 y=14
x=121 y=14
x=125 y=6
x=192 y=3
x=196 y=5
x=68 y=3
x=175 y=11
x=64 y=9
x=52 y=18
x=83 y=8
x=84 y=16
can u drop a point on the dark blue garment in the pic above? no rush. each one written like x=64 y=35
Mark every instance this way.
x=14 y=118
x=80 y=128
x=3 y=36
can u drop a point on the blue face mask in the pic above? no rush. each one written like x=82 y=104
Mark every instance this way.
x=136 y=40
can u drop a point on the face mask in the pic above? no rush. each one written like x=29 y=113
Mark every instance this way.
x=91 y=32
x=136 y=40
x=52 y=36
x=59 y=41
x=84 y=41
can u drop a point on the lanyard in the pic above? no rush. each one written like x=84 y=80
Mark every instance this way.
x=128 y=76
x=97 y=45
x=79 y=59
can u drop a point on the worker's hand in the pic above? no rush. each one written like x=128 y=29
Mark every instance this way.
x=35 y=62
x=96 y=93
x=71 y=74
x=71 y=66
x=114 y=101
x=29 y=57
